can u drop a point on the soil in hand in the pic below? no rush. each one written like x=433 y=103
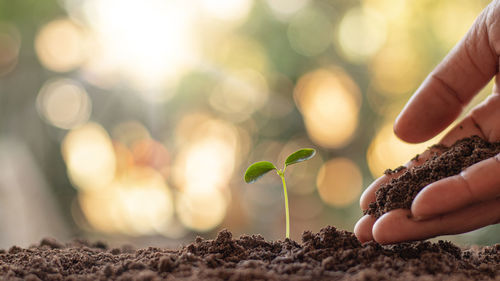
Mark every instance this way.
x=328 y=255
x=445 y=162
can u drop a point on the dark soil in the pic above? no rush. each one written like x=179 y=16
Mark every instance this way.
x=446 y=161
x=328 y=255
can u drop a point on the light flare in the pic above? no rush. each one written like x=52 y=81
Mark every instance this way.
x=89 y=156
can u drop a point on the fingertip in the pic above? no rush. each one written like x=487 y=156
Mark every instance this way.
x=405 y=130
x=368 y=195
x=387 y=229
x=363 y=228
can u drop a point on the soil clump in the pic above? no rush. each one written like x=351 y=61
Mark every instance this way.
x=444 y=162
x=330 y=254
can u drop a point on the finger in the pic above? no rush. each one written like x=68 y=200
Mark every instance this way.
x=363 y=228
x=479 y=182
x=443 y=94
x=398 y=226
x=368 y=195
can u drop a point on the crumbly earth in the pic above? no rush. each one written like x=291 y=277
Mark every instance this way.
x=330 y=254
x=446 y=161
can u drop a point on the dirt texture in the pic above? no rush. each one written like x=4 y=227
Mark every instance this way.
x=444 y=162
x=330 y=254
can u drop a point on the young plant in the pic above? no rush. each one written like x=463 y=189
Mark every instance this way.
x=258 y=169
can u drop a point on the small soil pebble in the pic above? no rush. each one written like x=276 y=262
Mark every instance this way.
x=445 y=162
x=330 y=254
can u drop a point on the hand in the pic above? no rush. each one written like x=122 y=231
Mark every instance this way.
x=471 y=199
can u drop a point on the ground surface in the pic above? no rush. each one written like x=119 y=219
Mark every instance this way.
x=328 y=255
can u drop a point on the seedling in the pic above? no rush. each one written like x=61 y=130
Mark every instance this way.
x=258 y=169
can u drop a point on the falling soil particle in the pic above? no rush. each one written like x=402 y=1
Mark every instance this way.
x=445 y=162
x=330 y=254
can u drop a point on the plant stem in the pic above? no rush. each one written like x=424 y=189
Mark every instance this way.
x=287 y=213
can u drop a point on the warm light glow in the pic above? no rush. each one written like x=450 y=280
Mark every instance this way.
x=240 y=94
x=146 y=200
x=287 y=7
x=64 y=103
x=102 y=210
x=130 y=132
x=387 y=151
x=150 y=153
x=241 y=53
x=61 y=45
x=89 y=156
x=10 y=42
x=149 y=42
x=391 y=9
x=137 y=203
x=232 y=10
x=451 y=19
x=208 y=160
x=329 y=101
x=309 y=32
x=361 y=33
x=397 y=68
x=201 y=209
x=203 y=169
x=339 y=182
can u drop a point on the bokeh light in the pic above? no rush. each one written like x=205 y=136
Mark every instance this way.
x=207 y=161
x=89 y=156
x=393 y=10
x=339 y=182
x=304 y=28
x=231 y=10
x=397 y=68
x=329 y=101
x=182 y=96
x=64 y=103
x=239 y=95
x=361 y=33
x=151 y=43
x=286 y=7
x=137 y=204
x=10 y=42
x=61 y=45
x=388 y=151
x=146 y=200
x=151 y=153
x=241 y=53
x=201 y=209
x=452 y=19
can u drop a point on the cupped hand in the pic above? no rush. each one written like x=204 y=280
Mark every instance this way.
x=471 y=199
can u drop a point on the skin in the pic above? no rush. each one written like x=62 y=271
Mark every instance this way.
x=471 y=199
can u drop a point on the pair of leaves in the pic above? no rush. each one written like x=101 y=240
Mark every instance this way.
x=258 y=169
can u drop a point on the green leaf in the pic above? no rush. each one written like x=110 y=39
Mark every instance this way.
x=257 y=170
x=299 y=156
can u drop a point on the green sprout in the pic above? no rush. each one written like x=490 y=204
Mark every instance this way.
x=258 y=169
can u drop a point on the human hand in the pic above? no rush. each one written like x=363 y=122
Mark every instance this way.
x=471 y=199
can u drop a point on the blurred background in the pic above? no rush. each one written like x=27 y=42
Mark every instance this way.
x=133 y=121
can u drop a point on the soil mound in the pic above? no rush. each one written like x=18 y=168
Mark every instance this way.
x=445 y=162
x=330 y=254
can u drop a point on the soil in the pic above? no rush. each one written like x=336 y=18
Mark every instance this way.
x=330 y=254
x=444 y=162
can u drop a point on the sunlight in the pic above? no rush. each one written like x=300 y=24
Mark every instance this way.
x=150 y=42
x=64 y=103
x=329 y=101
x=89 y=156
